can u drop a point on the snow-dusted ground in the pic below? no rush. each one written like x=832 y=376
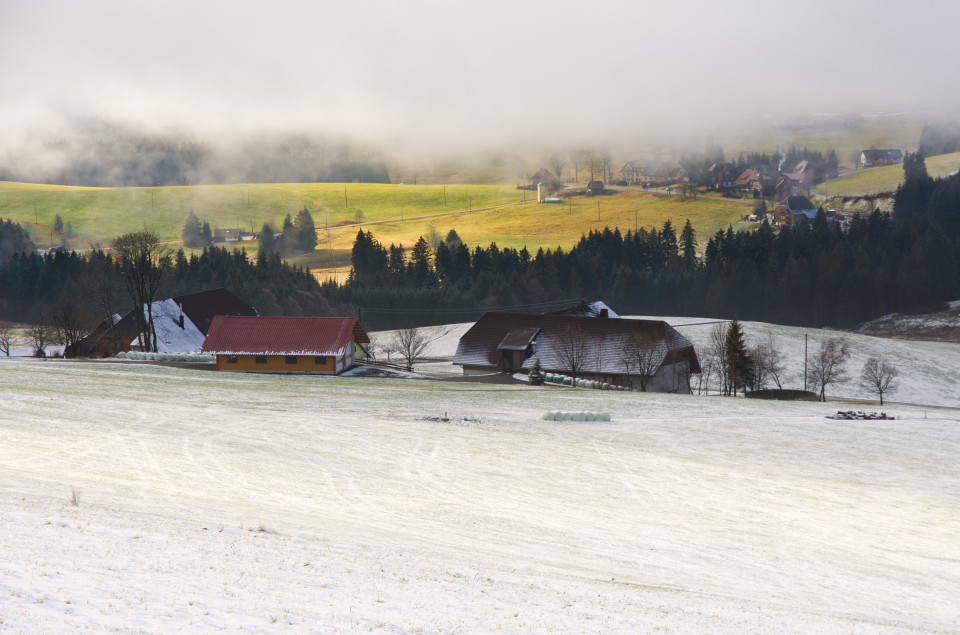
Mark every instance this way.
x=691 y=514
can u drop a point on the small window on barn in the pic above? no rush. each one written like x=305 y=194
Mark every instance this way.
x=320 y=360
x=291 y=359
x=260 y=359
x=231 y=359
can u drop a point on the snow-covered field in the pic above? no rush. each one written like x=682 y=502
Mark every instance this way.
x=690 y=514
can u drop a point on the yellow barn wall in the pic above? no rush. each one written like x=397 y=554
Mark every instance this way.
x=278 y=364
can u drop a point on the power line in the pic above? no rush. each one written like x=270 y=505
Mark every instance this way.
x=537 y=305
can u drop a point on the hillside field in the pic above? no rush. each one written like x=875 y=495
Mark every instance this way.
x=390 y=212
x=884 y=178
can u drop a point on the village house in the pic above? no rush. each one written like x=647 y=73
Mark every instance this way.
x=181 y=324
x=622 y=352
x=306 y=345
x=226 y=235
x=873 y=157
x=653 y=173
x=546 y=179
x=723 y=176
x=793 y=211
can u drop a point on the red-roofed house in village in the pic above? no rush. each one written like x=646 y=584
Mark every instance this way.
x=315 y=345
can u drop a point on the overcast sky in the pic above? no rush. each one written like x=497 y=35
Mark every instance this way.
x=459 y=72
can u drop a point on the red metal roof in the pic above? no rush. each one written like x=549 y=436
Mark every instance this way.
x=240 y=335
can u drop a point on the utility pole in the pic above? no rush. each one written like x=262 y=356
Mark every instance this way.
x=345 y=204
x=805 y=362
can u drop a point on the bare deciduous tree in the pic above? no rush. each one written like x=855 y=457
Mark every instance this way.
x=827 y=365
x=6 y=340
x=144 y=263
x=70 y=320
x=641 y=359
x=768 y=364
x=879 y=376
x=105 y=289
x=717 y=349
x=41 y=333
x=571 y=350
x=411 y=343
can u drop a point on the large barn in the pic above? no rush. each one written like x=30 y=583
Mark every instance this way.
x=181 y=323
x=641 y=354
x=312 y=345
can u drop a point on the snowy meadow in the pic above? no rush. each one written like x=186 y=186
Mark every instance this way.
x=209 y=500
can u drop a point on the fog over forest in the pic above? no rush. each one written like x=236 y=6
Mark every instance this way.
x=322 y=85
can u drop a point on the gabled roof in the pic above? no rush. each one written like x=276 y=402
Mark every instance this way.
x=798 y=203
x=240 y=335
x=746 y=177
x=606 y=340
x=203 y=305
x=543 y=175
x=171 y=337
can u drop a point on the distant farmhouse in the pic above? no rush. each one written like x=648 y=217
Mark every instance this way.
x=306 y=345
x=632 y=353
x=181 y=323
x=546 y=178
x=794 y=211
x=874 y=157
x=654 y=173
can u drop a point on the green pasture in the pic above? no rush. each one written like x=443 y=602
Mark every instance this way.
x=884 y=178
x=97 y=215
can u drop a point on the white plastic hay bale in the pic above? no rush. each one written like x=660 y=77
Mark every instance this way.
x=121 y=355
x=567 y=381
x=605 y=386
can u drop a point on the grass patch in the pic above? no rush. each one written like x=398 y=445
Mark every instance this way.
x=884 y=178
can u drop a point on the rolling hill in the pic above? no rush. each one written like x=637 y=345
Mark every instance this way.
x=883 y=178
x=393 y=213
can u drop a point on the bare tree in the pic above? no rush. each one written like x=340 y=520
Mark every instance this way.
x=571 y=349
x=144 y=263
x=411 y=343
x=708 y=366
x=556 y=163
x=641 y=359
x=41 y=333
x=70 y=320
x=768 y=364
x=106 y=289
x=6 y=340
x=880 y=376
x=827 y=365
x=717 y=349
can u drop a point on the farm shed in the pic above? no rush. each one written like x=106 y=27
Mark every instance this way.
x=625 y=352
x=181 y=323
x=312 y=345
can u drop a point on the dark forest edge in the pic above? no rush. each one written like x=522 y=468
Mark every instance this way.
x=813 y=275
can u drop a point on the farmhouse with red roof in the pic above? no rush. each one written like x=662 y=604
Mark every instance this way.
x=314 y=345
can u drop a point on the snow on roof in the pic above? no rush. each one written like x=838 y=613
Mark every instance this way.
x=171 y=337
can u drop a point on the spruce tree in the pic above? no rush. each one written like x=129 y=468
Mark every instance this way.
x=306 y=231
x=739 y=364
x=192 y=234
x=688 y=247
